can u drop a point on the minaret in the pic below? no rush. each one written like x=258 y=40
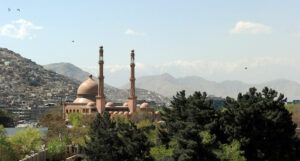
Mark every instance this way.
x=100 y=98
x=132 y=97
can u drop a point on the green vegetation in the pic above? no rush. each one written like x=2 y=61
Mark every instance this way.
x=76 y=119
x=112 y=140
x=6 y=151
x=261 y=124
x=255 y=126
x=16 y=147
x=56 y=149
x=26 y=142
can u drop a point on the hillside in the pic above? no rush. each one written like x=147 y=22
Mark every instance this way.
x=69 y=70
x=167 y=85
x=23 y=83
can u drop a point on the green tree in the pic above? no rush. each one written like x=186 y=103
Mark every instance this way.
x=55 y=123
x=56 y=149
x=26 y=141
x=261 y=124
x=6 y=151
x=76 y=119
x=185 y=121
x=231 y=152
x=111 y=140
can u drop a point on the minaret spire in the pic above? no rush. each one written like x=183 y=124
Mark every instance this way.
x=132 y=97
x=100 y=98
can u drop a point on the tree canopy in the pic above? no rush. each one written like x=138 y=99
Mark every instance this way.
x=112 y=140
x=262 y=125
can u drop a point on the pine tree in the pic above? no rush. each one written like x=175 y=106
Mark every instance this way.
x=111 y=140
x=260 y=122
x=185 y=120
x=190 y=146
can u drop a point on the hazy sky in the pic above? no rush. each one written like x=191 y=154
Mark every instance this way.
x=214 y=39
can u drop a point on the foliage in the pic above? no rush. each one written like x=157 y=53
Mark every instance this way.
x=140 y=115
x=190 y=146
x=76 y=119
x=111 y=140
x=56 y=149
x=261 y=124
x=185 y=121
x=26 y=141
x=231 y=152
x=160 y=152
x=55 y=123
x=6 y=151
x=77 y=135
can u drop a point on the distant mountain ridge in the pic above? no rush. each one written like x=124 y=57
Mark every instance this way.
x=168 y=85
x=69 y=70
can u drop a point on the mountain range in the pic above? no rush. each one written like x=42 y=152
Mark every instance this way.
x=167 y=85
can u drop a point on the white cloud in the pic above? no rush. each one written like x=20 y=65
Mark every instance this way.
x=134 y=33
x=19 y=29
x=259 y=69
x=246 y=27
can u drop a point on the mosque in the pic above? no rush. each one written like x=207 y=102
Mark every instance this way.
x=91 y=98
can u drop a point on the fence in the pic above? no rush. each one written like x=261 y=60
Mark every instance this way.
x=72 y=153
x=40 y=156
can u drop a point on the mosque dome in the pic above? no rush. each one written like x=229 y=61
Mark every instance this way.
x=83 y=100
x=125 y=104
x=88 y=87
x=144 y=105
x=109 y=104
x=91 y=104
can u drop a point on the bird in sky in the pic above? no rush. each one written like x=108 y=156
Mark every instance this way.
x=246 y=68
x=73 y=41
x=9 y=9
x=19 y=10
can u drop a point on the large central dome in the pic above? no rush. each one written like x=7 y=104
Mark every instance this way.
x=88 y=87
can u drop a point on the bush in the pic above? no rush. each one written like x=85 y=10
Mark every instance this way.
x=56 y=149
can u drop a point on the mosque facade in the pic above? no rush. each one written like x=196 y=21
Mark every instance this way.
x=91 y=98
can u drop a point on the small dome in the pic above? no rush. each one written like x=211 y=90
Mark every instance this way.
x=144 y=105
x=109 y=104
x=115 y=113
x=121 y=113
x=110 y=112
x=91 y=104
x=125 y=104
x=83 y=100
x=126 y=113
x=157 y=112
x=89 y=86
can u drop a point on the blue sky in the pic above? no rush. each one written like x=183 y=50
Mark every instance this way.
x=213 y=39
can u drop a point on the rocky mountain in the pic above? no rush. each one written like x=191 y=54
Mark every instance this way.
x=69 y=70
x=167 y=85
